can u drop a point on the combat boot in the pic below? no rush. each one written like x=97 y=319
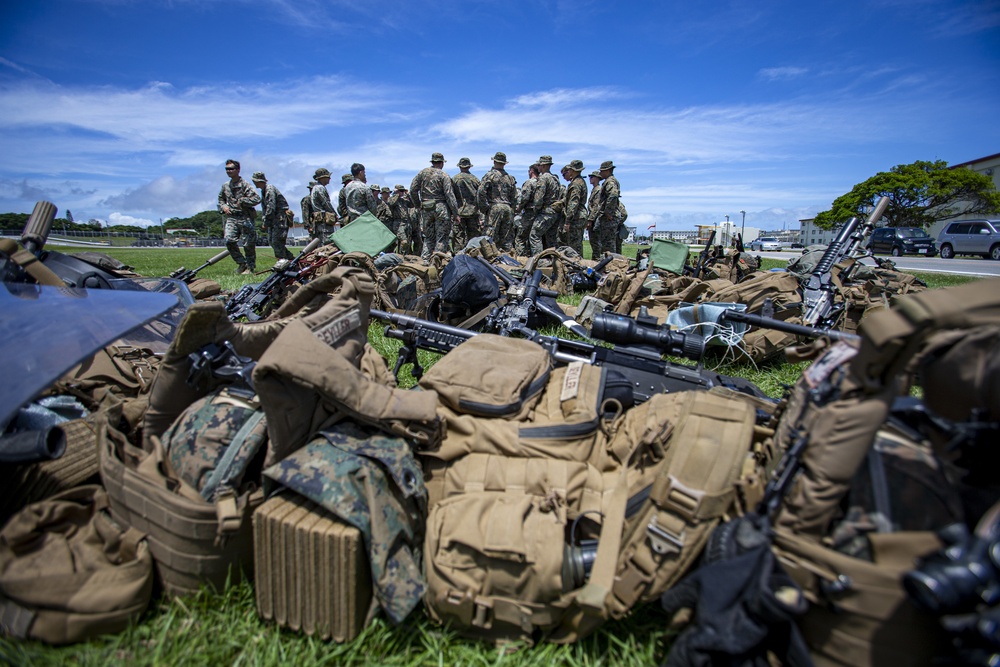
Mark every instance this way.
x=204 y=323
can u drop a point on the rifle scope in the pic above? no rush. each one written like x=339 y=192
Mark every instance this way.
x=622 y=330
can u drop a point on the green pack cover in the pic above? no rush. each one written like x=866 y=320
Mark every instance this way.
x=366 y=234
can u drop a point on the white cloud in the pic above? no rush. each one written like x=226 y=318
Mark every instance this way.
x=122 y=219
x=781 y=73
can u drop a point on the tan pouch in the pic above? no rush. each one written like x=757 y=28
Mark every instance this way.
x=490 y=376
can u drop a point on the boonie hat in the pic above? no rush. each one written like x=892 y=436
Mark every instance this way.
x=258 y=176
x=500 y=157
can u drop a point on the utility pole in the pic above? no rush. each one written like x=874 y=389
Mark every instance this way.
x=743 y=226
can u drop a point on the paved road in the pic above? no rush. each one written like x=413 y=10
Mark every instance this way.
x=962 y=266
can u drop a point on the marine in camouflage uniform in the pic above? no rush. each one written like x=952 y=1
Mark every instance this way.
x=399 y=208
x=274 y=216
x=547 y=192
x=372 y=482
x=496 y=198
x=384 y=213
x=525 y=208
x=305 y=204
x=431 y=191
x=574 y=206
x=342 y=195
x=320 y=199
x=358 y=195
x=466 y=187
x=605 y=219
x=237 y=199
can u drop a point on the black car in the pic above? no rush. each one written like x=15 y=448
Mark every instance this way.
x=898 y=241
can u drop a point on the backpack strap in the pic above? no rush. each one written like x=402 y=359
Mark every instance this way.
x=42 y=274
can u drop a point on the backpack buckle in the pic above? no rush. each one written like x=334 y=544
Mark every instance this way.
x=662 y=540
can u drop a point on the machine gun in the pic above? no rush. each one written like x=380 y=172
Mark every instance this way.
x=187 y=275
x=818 y=293
x=638 y=356
x=254 y=302
x=522 y=299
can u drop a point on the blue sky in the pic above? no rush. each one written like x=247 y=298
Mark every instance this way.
x=125 y=110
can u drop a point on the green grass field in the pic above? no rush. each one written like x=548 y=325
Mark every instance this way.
x=224 y=628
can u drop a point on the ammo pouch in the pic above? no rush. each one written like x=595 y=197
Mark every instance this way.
x=428 y=204
x=69 y=573
x=324 y=218
x=193 y=541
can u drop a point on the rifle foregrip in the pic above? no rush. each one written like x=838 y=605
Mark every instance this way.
x=36 y=230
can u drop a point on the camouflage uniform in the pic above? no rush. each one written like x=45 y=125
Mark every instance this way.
x=575 y=211
x=240 y=197
x=371 y=481
x=359 y=200
x=496 y=198
x=342 y=195
x=384 y=212
x=399 y=207
x=466 y=187
x=604 y=214
x=274 y=214
x=546 y=193
x=321 y=203
x=431 y=191
x=526 y=208
x=305 y=204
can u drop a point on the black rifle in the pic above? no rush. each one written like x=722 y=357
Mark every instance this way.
x=255 y=302
x=521 y=300
x=187 y=275
x=703 y=257
x=642 y=364
x=818 y=293
x=586 y=278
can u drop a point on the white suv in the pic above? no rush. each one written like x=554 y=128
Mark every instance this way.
x=970 y=237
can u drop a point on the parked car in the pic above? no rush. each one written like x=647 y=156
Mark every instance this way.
x=764 y=244
x=971 y=237
x=902 y=241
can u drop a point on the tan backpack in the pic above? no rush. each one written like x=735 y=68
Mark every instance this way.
x=68 y=572
x=579 y=508
x=860 y=613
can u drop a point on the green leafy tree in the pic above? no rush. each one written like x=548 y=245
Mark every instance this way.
x=207 y=223
x=919 y=195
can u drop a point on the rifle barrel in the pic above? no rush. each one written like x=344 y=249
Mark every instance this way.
x=787 y=327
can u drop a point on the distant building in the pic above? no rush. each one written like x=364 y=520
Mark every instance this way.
x=988 y=166
x=810 y=234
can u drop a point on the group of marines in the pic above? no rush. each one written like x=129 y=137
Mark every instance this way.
x=439 y=212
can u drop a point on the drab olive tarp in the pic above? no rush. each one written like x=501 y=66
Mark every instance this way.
x=366 y=234
x=669 y=255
